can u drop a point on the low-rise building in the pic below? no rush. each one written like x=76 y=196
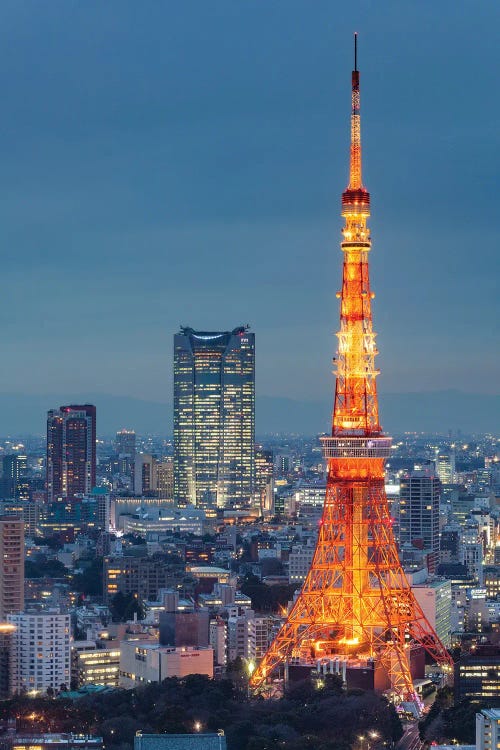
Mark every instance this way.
x=299 y=563
x=144 y=661
x=91 y=665
x=67 y=741
x=488 y=729
x=198 y=741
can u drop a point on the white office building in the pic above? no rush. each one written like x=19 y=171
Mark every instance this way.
x=239 y=642
x=472 y=552
x=146 y=661
x=259 y=636
x=434 y=598
x=218 y=640
x=310 y=493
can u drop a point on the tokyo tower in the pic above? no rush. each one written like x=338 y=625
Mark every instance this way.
x=356 y=607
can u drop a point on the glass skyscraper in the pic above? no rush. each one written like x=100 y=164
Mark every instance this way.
x=214 y=417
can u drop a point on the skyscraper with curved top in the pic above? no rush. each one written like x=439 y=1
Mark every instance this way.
x=214 y=417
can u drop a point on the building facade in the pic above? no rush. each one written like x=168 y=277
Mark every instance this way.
x=143 y=661
x=71 y=451
x=40 y=656
x=434 y=598
x=125 y=443
x=11 y=565
x=29 y=510
x=477 y=674
x=66 y=741
x=14 y=467
x=7 y=631
x=94 y=666
x=445 y=467
x=488 y=729
x=299 y=563
x=264 y=480
x=143 y=576
x=419 y=514
x=214 y=417
x=198 y=741
x=153 y=478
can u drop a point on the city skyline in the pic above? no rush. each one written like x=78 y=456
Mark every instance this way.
x=132 y=162
x=228 y=503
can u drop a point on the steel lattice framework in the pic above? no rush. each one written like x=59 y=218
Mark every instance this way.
x=356 y=602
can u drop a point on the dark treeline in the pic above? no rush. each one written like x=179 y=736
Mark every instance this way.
x=312 y=716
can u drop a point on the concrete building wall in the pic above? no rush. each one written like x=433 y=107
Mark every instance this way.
x=40 y=656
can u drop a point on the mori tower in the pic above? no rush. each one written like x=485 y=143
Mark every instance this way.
x=356 y=610
x=214 y=417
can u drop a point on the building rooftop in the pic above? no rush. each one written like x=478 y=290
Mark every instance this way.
x=55 y=739
x=86 y=690
x=492 y=713
x=196 y=741
x=207 y=570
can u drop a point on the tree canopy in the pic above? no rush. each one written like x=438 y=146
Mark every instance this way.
x=313 y=715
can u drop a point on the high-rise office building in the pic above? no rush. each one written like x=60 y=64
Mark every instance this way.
x=419 y=514
x=165 y=478
x=14 y=469
x=214 y=417
x=477 y=675
x=264 y=479
x=144 y=474
x=125 y=443
x=11 y=565
x=71 y=451
x=153 y=478
x=445 y=467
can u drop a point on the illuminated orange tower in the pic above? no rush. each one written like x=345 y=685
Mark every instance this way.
x=356 y=606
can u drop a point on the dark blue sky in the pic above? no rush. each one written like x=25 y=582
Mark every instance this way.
x=182 y=163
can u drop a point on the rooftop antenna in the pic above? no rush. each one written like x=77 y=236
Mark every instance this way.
x=355 y=50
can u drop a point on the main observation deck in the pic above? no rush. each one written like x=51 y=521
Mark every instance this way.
x=356 y=447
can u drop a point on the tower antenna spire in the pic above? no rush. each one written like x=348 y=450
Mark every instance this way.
x=355 y=179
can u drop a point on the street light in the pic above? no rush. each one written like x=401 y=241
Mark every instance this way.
x=197 y=726
x=251 y=667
